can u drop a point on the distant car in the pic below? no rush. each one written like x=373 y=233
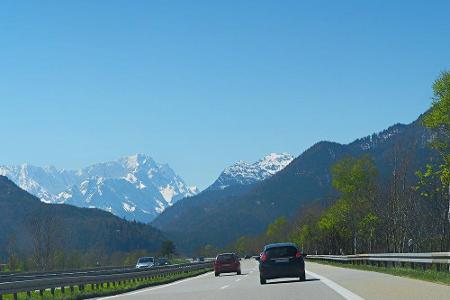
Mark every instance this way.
x=281 y=260
x=145 y=262
x=227 y=263
x=162 y=262
x=247 y=256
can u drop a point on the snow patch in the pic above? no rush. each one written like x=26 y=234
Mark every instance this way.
x=131 y=178
x=168 y=192
x=160 y=208
x=128 y=207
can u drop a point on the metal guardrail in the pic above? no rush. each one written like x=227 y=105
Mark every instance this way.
x=18 y=276
x=386 y=259
x=29 y=273
x=80 y=279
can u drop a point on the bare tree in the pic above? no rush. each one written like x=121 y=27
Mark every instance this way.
x=46 y=241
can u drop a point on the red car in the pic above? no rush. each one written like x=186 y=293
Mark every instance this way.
x=227 y=263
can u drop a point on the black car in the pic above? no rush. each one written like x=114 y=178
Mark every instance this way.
x=281 y=260
x=162 y=262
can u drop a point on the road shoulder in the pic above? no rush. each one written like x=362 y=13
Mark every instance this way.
x=374 y=285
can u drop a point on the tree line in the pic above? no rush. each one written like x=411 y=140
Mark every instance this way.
x=49 y=250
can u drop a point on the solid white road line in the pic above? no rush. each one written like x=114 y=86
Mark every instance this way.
x=224 y=287
x=157 y=287
x=336 y=287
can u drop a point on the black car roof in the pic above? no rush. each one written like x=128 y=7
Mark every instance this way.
x=275 y=245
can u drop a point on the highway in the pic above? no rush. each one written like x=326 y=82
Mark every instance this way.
x=323 y=282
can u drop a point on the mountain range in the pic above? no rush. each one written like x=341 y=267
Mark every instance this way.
x=224 y=212
x=244 y=173
x=134 y=187
x=244 y=199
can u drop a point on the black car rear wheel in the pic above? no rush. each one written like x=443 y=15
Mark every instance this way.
x=262 y=280
x=216 y=274
x=239 y=272
x=302 y=276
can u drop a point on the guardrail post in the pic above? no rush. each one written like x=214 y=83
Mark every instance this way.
x=15 y=296
x=28 y=294
x=1 y=297
x=52 y=290
x=63 y=290
x=71 y=289
x=41 y=293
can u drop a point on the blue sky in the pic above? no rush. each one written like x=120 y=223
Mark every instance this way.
x=201 y=84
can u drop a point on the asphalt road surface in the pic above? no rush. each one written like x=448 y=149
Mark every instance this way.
x=323 y=282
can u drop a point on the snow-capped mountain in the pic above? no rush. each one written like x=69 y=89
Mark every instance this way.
x=134 y=187
x=243 y=173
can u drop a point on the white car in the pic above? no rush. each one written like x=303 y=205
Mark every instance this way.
x=145 y=262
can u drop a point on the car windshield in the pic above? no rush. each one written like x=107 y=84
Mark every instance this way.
x=225 y=257
x=144 y=260
x=280 y=252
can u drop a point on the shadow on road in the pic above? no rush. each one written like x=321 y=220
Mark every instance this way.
x=231 y=274
x=292 y=281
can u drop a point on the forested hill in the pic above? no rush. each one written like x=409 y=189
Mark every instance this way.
x=25 y=222
x=220 y=220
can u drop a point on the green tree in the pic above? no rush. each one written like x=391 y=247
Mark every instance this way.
x=335 y=228
x=277 y=231
x=438 y=120
x=367 y=228
x=207 y=251
x=243 y=246
x=355 y=179
x=168 y=249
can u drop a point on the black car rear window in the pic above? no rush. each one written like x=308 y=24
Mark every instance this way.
x=277 y=252
x=225 y=257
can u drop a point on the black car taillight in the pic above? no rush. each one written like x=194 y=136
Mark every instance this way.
x=263 y=257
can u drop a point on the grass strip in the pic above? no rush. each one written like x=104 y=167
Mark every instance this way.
x=103 y=290
x=431 y=275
